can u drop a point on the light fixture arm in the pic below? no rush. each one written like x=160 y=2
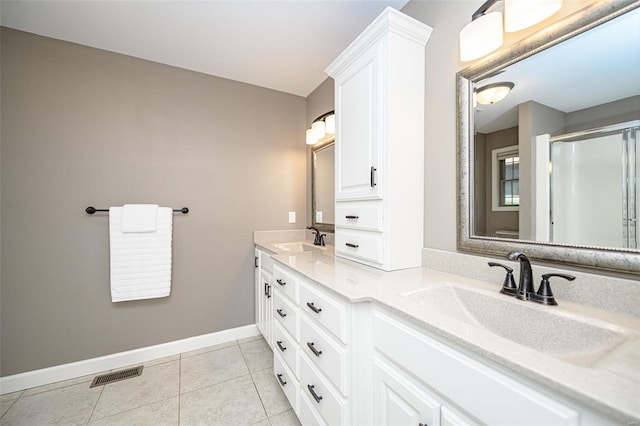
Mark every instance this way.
x=323 y=116
x=483 y=9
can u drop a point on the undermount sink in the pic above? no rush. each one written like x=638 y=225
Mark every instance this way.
x=298 y=247
x=561 y=334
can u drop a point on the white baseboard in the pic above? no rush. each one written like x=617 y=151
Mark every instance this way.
x=57 y=373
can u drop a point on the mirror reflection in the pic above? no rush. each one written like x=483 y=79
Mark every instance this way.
x=323 y=190
x=557 y=159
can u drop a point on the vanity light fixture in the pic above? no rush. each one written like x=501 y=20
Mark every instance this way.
x=321 y=127
x=484 y=33
x=492 y=93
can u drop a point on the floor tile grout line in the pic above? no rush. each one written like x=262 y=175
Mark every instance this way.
x=179 y=385
x=132 y=409
x=253 y=381
x=216 y=384
x=206 y=352
x=12 y=404
x=95 y=405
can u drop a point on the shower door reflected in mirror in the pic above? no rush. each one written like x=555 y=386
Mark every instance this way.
x=595 y=173
x=323 y=188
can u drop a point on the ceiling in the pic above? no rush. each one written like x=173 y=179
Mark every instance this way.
x=282 y=45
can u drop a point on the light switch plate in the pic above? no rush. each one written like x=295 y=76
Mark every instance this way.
x=292 y=217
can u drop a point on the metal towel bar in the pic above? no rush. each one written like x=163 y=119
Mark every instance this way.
x=92 y=210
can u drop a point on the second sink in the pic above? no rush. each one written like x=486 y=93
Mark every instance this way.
x=298 y=246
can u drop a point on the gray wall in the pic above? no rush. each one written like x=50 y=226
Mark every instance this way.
x=497 y=220
x=81 y=127
x=447 y=18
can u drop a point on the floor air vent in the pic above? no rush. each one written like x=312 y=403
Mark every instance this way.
x=116 y=376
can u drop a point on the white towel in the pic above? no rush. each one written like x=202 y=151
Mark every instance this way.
x=139 y=217
x=140 y=262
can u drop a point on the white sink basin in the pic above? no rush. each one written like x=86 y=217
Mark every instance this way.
x=564 y=335
x=298 y=247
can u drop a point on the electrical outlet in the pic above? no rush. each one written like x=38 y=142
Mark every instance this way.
x=292 y=217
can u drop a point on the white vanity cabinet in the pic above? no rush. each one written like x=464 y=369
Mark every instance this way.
x=264 y=293
x=311 y=352
x=419 y=377
x=379 y=103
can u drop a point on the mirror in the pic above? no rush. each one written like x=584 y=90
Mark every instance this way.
x=322 y=186
x=552 y=169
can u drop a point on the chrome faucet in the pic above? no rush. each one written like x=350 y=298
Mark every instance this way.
x=318 y=239
x=525 y=285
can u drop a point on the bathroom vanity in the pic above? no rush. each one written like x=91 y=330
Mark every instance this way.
x=356 y=345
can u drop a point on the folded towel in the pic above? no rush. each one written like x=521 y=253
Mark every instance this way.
x=140 y=262
x=139 y=217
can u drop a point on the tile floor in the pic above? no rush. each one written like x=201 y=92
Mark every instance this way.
x=228 y=384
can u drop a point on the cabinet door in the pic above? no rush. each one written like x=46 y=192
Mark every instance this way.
x=266 y=306
x=451 y=417
x=357 y=96
x=258 y=291
x=398 y=400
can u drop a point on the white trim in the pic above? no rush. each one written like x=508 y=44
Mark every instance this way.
x=495 y=179
x=542 y=189
x=85 y=367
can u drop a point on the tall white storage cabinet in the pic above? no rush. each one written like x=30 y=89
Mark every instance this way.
x=379 y=103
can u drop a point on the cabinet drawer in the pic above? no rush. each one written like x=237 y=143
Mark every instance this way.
x=287 y=381
x=357 y=216
x=286 y=313
x=315 y=387
x=266 y=263
x=308 y=415
x=285 y=346
x=286 y=283
x=325 y=353
x=325 y=310
x=393 y=337
x=360 y=244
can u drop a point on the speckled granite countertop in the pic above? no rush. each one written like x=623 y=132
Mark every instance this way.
x=608 y=382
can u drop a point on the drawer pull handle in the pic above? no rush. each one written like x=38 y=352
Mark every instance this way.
x=282 y=314
x=313 y=349
x=351 y=217
x=315 y=396
x=266 y=284
x=422 y=424
x=279 y=343
x=313 y=307
x=279 y=281
x=351 y=245
x=282 y=382
x=373 y=176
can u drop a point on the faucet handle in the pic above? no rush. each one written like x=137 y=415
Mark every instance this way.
x=544 y=294
x=509 y=286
